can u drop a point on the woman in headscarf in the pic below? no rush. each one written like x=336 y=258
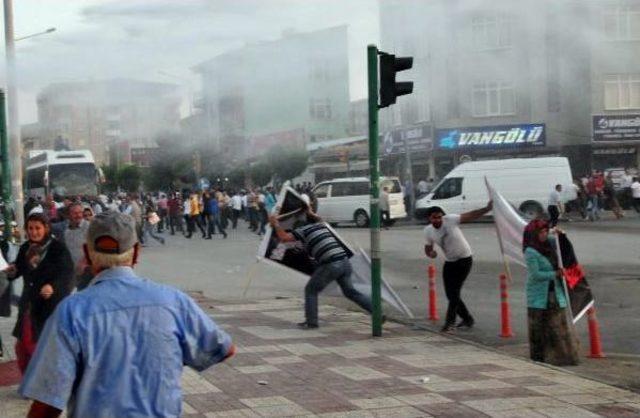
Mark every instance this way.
x=551 y=335
x=46 y=267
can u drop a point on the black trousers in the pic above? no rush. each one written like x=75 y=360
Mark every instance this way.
x=454 y=273
x=554 y=215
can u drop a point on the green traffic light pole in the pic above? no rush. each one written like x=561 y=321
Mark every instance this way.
x=374 y=173
x=6 y=169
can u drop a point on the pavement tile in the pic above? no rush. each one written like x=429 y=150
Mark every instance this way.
x=517 y=413
x=284 y=360
x=281 y=411
x=490 y=405
x=451 y=410
x=270 y=333
x=401 y=412
x=478 y=394
x=340 y=371
x=422 y=399
x=257 y=369
x=614 y=410
x=303 y=349
x=377 y=403
x=235 y=413
x=567 y=412
x=582 y=399
x=359 y=373
x=259 y=349
x=348 y=414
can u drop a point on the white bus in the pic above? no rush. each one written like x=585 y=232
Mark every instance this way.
x=62 y=173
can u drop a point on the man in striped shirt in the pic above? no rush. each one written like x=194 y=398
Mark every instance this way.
x=333 y=264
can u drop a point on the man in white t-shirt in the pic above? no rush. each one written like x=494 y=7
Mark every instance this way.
x=444 y=231
x=555 y=205
x=635 y=193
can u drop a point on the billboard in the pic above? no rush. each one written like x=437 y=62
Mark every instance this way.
x=492 y=137
x=616 y=128
x=418 y=138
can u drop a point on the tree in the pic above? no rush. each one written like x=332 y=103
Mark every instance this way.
x=172 y=166
x=287 y=163
x=129 y=177
x=111 y=178
x=261 y=172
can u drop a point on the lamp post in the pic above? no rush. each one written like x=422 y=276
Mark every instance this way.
x=13 y=129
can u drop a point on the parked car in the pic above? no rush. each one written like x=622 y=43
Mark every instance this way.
x=347 y=200
x=525 y=182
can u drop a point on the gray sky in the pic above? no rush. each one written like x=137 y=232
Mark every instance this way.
x=147 y=39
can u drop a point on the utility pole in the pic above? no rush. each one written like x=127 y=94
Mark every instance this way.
x=389 y=90
x=15 y=147
x=6 y=169
x=409 y=171
x=374 y=173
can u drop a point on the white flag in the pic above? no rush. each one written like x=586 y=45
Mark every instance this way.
x=509 y=225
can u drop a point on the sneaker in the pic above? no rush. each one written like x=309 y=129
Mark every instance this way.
x=307 y=325
x=466 y=324
x=448 y=329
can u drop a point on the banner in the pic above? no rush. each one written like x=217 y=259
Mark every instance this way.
x=510 y=228
x=291 y=210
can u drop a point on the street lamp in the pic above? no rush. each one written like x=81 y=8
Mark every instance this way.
x=15 y=147
x=33 y=35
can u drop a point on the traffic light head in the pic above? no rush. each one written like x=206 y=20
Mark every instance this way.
x=389 y=88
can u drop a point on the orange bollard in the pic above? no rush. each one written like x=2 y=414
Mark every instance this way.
x=594 y=335
x=433 y=302
x=504 y=308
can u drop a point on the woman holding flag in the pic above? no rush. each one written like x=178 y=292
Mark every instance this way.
x=551 y=339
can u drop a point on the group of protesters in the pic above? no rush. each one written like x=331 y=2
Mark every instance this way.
x=598 y=190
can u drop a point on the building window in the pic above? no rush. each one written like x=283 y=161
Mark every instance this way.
x=491 y=32
x=320 y=109
x=320 y=70
x=493 y=98
x=622 y=23
x=622 y=91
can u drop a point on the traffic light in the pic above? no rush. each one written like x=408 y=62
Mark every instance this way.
x=389 y=87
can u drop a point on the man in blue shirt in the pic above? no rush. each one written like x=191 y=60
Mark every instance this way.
x=117 y=348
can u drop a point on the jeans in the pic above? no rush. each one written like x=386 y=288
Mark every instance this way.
x=323 y=275
x=554 y=215
x=594 y=207
x=149 y=229
x=454 y=273
x=175 y=223
x=213 y=220
x=234 y=218
x=385 y=217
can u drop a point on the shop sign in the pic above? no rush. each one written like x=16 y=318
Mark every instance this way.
x=610 y=128
x=418 y=138
x=492 y=137
x=614 y=151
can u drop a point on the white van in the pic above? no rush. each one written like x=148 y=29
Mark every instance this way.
x=347 y=200
x=526 y=183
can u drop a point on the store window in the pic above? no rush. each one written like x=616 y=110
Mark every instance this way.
x=622 y=91
x=491 y=32
x=622 y=23
x=451 y=187
x=493 y=98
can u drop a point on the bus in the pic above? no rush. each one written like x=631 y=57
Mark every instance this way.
x=62 y=173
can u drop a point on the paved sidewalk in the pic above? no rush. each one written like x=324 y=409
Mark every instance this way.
x=340 y=371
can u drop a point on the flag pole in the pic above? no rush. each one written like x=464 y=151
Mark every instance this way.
x=564 y=282
x=505 y=262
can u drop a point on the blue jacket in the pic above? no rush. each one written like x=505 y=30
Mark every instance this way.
x=212 y=206
x=540 y=272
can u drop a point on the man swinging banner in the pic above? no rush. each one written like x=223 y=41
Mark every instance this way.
x=510 y=228
x=299 y=240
